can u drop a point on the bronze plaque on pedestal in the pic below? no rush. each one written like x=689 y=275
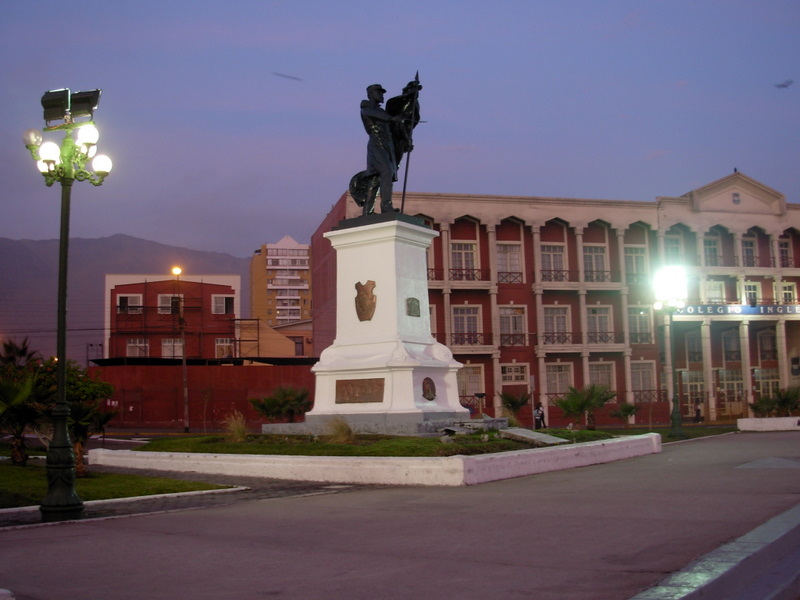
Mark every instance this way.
x=354 y=391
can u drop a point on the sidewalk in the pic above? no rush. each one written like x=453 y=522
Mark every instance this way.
x=603 y=532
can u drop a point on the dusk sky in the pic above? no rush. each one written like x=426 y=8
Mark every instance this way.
x=232 y=124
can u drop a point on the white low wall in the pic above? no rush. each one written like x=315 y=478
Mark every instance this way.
x=769 y=424
x=446 y=471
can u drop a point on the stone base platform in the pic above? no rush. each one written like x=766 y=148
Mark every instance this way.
x=386 y=424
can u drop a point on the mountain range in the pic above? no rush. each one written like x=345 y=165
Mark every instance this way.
x=29 y=285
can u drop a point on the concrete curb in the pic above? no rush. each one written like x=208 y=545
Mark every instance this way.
x=446 y=471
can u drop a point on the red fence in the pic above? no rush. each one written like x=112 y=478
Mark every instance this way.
x=150 y=396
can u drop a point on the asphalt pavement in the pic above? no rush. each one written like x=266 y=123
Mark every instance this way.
x=604 y=532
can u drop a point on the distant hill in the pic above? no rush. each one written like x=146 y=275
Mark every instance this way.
x=29 y=285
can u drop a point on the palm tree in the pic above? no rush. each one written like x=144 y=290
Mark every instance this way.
x=513 y=403
x=17 y=413
x=624 y=411
x=17 y=355
x=585 y=401
x=787 y=401
x=284 y=402
x=86 y=417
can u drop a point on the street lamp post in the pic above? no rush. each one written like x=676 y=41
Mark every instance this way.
x=671 y=291
x=182 y=324
x=65 y=164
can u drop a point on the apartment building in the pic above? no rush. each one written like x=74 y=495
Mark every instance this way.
x=280 y=289
x=158 y=316
x=539 y=294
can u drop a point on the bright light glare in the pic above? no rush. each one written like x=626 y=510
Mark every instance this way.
x=88 y=134
x=177 y=270
x=101 y=164
x=42 y=166
x=670 y=286
x=50 y=151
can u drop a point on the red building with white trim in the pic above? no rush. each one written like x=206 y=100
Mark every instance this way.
x=539 y=294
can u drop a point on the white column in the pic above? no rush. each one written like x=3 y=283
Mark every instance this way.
x=747 y=373
x=783 y=352
x=708 y=371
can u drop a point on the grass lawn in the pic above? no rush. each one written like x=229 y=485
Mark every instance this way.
x=362 y=445
x=27 y=486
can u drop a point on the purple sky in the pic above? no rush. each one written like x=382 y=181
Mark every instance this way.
x=212 y=150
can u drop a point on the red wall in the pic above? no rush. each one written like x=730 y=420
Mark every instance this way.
x=148 y=396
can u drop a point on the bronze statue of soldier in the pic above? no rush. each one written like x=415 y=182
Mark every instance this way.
x=389 y=134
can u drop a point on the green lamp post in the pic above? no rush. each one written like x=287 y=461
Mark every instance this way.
x=670 y=288
x=72 y=113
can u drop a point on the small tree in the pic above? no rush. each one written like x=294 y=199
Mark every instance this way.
x=783 y=403
x=17 y=413
x=584 y=401
x=84 y=395
x=513 y=403
x=624 y=412
x=284 y=402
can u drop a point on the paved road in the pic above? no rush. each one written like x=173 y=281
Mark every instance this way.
x=603 y=532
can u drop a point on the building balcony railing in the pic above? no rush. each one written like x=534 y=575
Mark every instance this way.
x=559 y=338
x=558 y=275
x=509 y=277
x=470 y=339
x=562 y=275
x=638 y=278
x=468 y=274
x=605 y=337
x=641 y=337
x=720 y=261
x=597 y=276
x=514 y=339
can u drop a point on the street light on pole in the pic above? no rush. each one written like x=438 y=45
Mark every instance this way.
x=65 y=164
x=671 y=290
x=182 y=324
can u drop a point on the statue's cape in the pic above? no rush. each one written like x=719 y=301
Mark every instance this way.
x=359 y=184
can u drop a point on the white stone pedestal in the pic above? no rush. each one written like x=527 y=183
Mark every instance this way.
x=384 y=372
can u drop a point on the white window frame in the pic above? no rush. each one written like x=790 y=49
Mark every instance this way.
x=469 y=379
x=673 y=249
x=554 y=261
x=166 y=304
x=137 y=347
x=751 y=292
x=599 y=324
x=557 y=324
x=635 y=262
x=731 y=346
x=715 y=291
x=131 y=306
x=595 y=262
x=223 y=344
x=513 y=324
x=642 y=370
x=785 y=253
x=464 y=255
x=640 y=324
x=171 y=348
x=467 y=320
x=514 y=373
x=558 y=376
x=749 y=252
x=219 y=304
x=509 y=262
x=767 y=345
x=788 y=292
x=711 y=246
x=602 y=373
